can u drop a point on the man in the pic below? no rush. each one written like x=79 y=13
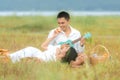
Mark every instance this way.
x=64 y=32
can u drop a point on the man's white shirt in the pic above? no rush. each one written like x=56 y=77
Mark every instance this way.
x=75 y=34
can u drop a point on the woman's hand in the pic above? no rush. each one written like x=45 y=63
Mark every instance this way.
x=79 y=60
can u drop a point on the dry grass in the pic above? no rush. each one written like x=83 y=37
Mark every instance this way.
x=19 y=32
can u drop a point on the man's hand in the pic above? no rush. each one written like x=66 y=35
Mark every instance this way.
x=82 y=41
x=56 y=32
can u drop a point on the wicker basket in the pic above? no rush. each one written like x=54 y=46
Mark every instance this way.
x=99 y=54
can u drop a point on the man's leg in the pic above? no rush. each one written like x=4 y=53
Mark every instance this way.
x=24 y=53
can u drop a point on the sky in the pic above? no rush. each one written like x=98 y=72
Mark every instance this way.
x=56 y=5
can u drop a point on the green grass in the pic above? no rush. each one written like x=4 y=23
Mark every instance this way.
x=19 y=32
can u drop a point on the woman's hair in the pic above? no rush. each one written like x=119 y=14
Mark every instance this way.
x=71 y=54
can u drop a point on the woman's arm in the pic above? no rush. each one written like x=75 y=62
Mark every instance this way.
x=80 y=59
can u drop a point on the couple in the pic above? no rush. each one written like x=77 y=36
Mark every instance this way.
x=52 y=50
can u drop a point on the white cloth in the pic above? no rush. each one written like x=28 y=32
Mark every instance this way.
x=48 y=55
x=75 y=34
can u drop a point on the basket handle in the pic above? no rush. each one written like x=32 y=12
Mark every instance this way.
x=102 y=47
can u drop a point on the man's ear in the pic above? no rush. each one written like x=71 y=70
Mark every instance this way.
x=68 y=21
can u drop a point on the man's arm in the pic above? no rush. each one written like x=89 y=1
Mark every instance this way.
x=50 y=39
x=79 y=46
x=46 y=43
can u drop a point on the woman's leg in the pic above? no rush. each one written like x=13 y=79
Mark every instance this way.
x=24 y=53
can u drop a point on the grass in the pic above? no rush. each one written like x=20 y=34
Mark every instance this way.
x=19 y=32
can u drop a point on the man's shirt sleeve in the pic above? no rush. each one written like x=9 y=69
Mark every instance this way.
x=50 y=35
x=77 y=46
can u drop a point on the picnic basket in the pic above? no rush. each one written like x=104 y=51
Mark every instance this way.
x=99 y=54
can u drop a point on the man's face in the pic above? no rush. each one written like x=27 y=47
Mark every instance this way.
x=63 y=23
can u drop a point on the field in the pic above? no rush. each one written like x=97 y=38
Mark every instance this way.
x=19 y=32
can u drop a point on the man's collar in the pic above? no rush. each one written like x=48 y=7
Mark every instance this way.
x=72 y=30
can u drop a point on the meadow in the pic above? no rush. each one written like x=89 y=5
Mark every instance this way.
x=19 y=32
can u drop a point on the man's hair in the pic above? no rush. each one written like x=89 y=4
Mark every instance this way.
x=64 y=15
